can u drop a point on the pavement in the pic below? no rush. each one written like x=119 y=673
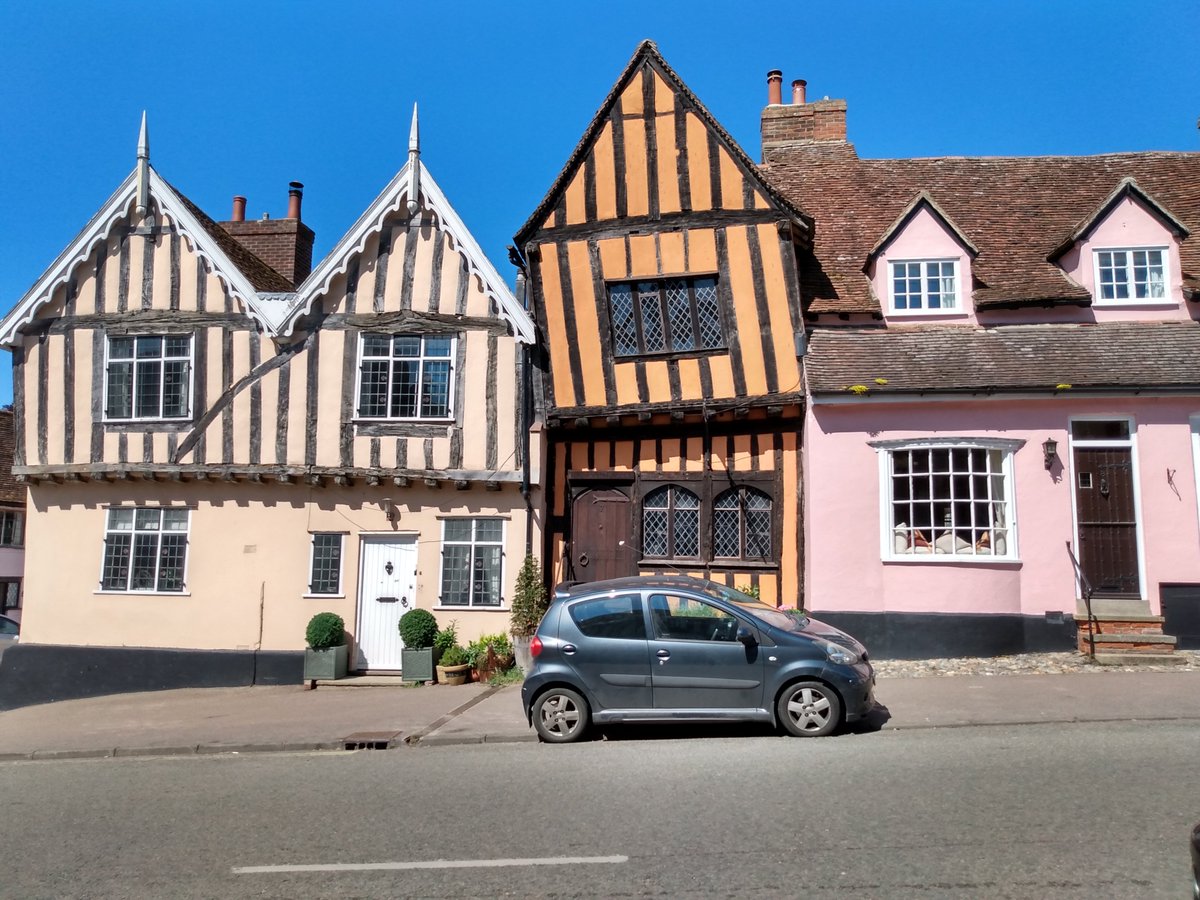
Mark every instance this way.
x=373 y=713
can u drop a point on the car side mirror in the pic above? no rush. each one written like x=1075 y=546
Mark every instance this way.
x=746 y=636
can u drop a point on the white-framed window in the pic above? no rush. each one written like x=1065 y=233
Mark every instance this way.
x=406 y=376
x=1131 y=274
x=148 y=377
x=12 y=528
x=948 y=498
x=924 y=285
x=145 y=550
x=472 y=562
x=325 y=571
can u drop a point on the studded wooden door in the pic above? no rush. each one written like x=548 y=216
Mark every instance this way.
x=1107 y=519
x=600 y=544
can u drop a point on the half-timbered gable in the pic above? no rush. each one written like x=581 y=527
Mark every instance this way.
x=235 y=452
x=663 y=272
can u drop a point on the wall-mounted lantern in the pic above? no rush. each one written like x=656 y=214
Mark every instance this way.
x=1049 y=451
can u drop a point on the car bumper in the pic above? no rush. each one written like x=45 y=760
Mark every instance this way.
x=857 y=684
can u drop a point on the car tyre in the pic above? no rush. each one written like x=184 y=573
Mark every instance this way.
x=809 y=709
x=560 y=716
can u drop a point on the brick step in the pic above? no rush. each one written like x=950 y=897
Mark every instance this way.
x=1140 y=658
x=1135 y=642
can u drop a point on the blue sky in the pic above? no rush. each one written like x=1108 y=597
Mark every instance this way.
x=245 y=97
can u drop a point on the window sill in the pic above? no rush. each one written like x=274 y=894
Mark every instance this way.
x=492 y=609
x=926 y=313
x=708 y=564
x=402 y=427
x=950 y=559
x=1135 y=304
x=323 y=596
x=141 y=593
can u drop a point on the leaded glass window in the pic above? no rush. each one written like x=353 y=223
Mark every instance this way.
x=406 y=376
x=145 y=549
x=472 y=557
x=742 y=524
x=148 y=377
x=673 y=315
x=326 y=577
x=671 y=523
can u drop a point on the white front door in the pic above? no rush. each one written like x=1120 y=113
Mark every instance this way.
x=387 y=589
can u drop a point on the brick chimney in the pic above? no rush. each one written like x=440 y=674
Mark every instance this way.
x=783 y=124
x=283 y=244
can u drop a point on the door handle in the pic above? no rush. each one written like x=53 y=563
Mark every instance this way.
x=568 y=649
x=583 y=559
x=664 y=655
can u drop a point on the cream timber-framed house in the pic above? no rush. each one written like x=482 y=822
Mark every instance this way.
x=226 y=447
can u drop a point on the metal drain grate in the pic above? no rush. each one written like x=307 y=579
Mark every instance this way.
x=370 y=740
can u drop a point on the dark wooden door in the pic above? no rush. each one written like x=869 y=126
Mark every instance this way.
x=601 y=528
x=1107 y=520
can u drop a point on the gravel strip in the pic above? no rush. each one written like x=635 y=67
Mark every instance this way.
x=1021 y=664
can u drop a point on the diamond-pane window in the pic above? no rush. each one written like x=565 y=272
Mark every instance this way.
x=148 y=377
x=406 y=376
x=676 y=315
x=742 y=524
x=671 y=523
x=145 y=550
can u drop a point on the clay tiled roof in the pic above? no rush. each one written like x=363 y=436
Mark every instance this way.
x=940 y=358
x=10 y=491
x=1016 y=210
x=260 y=275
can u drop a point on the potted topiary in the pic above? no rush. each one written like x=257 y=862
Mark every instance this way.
x=454 y=668
x=528 y=607
x=418 y=628
x=327 y=653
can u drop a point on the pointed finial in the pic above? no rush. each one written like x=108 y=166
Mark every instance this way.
x=143 y=167
x=414 y=165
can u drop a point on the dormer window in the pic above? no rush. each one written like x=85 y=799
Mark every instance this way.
x=924 y=286
x=1131 y=275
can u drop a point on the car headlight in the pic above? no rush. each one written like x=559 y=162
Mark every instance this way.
x=843 y=656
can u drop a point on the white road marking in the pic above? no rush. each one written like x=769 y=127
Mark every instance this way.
x=431 y=864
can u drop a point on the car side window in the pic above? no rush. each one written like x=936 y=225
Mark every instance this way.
x=684 y=618
x=8 y=627
x=611 y=617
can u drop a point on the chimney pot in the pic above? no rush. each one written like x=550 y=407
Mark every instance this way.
x=295 y=195
x=774 y=87
x=798 y=87
x=239 y=209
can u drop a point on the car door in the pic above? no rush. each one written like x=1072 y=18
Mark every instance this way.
x=605 y=643
x=697 y=662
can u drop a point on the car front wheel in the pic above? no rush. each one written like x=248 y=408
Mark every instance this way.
x=560 y=716
x=809 y=709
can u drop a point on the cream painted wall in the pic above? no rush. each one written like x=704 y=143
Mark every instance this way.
x=248 y=561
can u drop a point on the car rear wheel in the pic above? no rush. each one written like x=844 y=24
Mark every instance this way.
x=560 y=716
x=809 y=709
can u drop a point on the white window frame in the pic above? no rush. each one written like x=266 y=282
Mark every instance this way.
x=473 y=543
x=1194 y=421
x=452 y=359
x=1132 y=300
x=887 y=530
x=340 y=590
x=17 y=517
x=191 y=376
x=924 y=310
x=187 y=542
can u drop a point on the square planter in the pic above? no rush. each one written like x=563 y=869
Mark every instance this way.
x=416 y=665
x=326 y=664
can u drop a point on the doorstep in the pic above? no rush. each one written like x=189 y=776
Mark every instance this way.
x=365 y=681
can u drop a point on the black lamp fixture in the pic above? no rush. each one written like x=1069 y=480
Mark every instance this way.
x=1049 y=451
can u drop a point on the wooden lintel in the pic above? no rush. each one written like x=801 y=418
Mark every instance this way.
x=432 y=483
x=461 y=484
x=400 y=480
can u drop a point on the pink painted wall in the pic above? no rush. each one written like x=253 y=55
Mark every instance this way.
x=844 y=568
x=924 y=237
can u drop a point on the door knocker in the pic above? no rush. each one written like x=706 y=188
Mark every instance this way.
x=1103 y=486
x=583 y=559
x=387 y=567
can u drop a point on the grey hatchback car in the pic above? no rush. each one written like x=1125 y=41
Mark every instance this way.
x=673 y=649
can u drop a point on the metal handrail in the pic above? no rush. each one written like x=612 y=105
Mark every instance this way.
x=1087 y=599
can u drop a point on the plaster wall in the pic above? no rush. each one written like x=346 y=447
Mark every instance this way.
x=843 y=521
x=924 y=236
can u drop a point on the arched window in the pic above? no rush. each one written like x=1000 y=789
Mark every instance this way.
x=742 y=524
x=671 y=523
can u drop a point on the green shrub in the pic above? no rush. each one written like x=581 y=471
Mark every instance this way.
x=454 y=655
x=529 y=601
x=446 y=638
x=501 y=648
x=751 y=590
x=418 y=629
x=325 y=630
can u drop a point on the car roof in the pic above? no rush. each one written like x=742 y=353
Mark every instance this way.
x=570 y=590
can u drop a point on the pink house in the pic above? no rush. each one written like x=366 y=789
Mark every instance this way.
x=1003 y=383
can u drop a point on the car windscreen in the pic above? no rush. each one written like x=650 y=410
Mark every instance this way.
x=792 y=620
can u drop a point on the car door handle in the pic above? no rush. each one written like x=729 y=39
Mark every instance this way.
x=568 y=649
x=664 y=654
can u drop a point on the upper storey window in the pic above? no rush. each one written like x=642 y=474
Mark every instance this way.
x=1131 y=275
x=924 y=286
x=406 y=376
x=671 y=315
x=148 y=377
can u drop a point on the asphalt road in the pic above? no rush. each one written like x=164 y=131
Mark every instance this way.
x=1032 y=811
